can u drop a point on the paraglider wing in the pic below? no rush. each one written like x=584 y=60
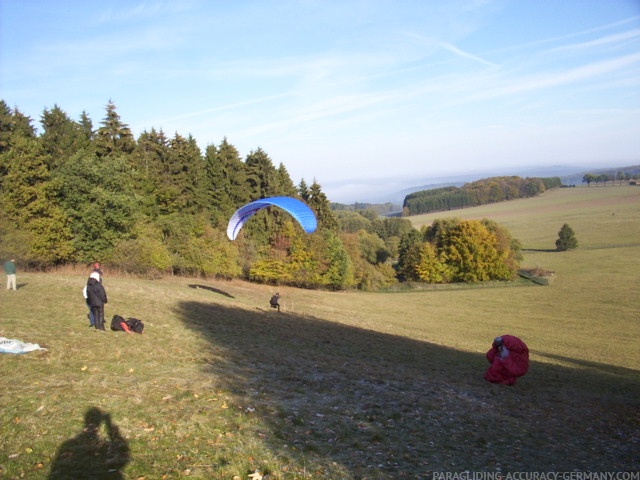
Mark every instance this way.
x=296 y=208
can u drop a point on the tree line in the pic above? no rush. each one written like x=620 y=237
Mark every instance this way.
x=604 y=178
x=157 y=205
x=480 y=192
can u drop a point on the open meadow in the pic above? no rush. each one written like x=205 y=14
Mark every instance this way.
x=338 y=385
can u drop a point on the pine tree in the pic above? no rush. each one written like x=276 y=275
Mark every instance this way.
x=409 y=255
x=29 y=204
x=99 y=198
x=566 y=239
x=183 y=176
x=13 y=124
x=113 y=137
x=61 y=137
x=86 y=127
x=262 y=177
x=225 y=180
x=319 y=202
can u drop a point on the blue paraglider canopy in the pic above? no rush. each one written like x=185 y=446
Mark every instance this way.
x=296 y=208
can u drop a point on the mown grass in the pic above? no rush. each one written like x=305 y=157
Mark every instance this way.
x=339 y=385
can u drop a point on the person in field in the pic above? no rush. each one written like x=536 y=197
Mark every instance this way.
x=10 y=270
x=509 y=359
x=96 y=299
x=275 y=301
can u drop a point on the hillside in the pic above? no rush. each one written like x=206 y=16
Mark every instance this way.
x=339 y=386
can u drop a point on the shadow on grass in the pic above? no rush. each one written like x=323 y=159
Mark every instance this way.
x=90 y=455
x=331 y=396
x=211 y=289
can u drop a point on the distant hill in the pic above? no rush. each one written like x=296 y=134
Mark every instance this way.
x=568 y=174
x=390 y=202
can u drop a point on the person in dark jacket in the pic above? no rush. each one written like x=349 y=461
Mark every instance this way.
x=275 y=301
x=96 y=299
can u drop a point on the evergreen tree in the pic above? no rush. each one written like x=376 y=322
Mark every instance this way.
x=6 y=126
x=86 y=127
x=339 y=273
x=225 y=176
x=13 y=124
x=303 y=190
x=29 y=204
x=113 y=137
x=183 y=176
x=61 y=137
x=99 y=199
x=287 y=188
x=409 y=255
x=566 y=239
x=149 y=159
x=265 y=181
x=319 y=202
x=262 y=177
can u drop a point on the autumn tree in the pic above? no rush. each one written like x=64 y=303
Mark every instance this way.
x=453 y=250
x=471 y=252
x=430 y=268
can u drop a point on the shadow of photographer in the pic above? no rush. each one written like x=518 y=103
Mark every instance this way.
x=98 y=452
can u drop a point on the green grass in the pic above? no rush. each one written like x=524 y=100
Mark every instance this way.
x=339 y=385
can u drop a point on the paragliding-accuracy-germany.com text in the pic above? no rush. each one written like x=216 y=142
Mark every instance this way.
x=467 y=475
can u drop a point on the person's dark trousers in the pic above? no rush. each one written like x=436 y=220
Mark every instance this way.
x=98 y=316
x=92 y=321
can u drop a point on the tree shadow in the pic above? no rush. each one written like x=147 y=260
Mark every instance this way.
x=91 y=455
x=211 y=289
x=383 y=406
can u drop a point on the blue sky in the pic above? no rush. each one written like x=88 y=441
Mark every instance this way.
x=361 y=96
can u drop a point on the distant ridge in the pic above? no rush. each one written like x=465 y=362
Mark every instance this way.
x=570 y=175
x=381 y=192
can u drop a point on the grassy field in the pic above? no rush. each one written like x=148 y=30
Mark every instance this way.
x=339 y=385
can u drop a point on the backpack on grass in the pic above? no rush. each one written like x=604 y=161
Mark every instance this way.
x=135 y=325
x=119 y=324
x=131 y=325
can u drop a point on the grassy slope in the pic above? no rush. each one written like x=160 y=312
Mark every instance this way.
x=340 y=385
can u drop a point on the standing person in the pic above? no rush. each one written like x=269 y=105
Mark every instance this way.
x=96 y=298
x=10 y=270
x=92 y=320
x=98 y=270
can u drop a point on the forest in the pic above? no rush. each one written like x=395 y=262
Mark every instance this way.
x=71 y=193
x=473 y=194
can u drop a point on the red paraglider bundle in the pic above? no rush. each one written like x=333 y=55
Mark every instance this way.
x=509 y=359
